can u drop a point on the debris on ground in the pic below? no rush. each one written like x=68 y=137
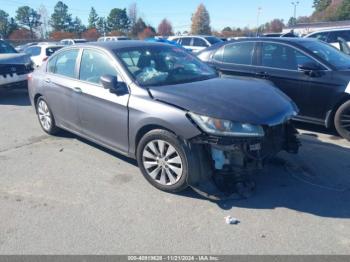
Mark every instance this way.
x=231 y=220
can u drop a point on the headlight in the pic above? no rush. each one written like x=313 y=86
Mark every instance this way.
x=226 y=128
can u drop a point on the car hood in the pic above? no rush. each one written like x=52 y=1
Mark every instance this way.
x=247 y=101
x=15 y=58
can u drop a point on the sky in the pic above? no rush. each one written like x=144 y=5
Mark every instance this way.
x=233 y=13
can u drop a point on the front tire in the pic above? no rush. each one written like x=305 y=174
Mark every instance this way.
x=342 y=120
x=45 y=116
x=163 y=161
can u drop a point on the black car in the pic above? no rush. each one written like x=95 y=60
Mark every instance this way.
x=313 y=73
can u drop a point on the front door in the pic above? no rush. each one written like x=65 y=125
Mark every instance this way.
x=279 y=64
x=103 y=115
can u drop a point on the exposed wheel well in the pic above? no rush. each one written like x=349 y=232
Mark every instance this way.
x=36 y=97
x=144 y=130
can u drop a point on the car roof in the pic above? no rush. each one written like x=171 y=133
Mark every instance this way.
x=330 y=30
x=286 y=40
x=110 y=45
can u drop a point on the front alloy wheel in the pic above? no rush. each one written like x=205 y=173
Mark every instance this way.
x=163 y=160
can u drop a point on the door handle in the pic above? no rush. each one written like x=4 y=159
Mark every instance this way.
x=48 y=80
x=262 y=74
x=77 y=90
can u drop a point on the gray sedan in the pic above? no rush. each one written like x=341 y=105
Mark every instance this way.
x=164 y=107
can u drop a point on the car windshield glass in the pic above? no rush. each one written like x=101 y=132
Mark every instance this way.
x=163 y=65
x=328 y=53
x=6 y=48
x=213 y=40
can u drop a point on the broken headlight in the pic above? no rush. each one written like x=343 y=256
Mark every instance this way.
x=221 y=127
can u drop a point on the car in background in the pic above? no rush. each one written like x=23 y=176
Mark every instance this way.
x=331 y=36
x=21 y=48
x=163 y=106
x=195 y=43
x=41 y=52
x=313 y=73
x=14 y=67
x=72 y=41
x=112 y=38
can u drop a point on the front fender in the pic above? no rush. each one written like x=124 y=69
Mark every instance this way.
x=147 y=112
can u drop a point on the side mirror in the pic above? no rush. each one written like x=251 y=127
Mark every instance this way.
x=310 y=68
x=111 y=83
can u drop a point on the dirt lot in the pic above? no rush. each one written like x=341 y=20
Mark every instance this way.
x=64 y=195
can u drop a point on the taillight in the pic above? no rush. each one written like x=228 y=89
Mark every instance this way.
x=29 y=76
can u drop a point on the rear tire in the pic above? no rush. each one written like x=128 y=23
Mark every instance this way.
x=45 y=116
x=163 y=160
x=342 y=120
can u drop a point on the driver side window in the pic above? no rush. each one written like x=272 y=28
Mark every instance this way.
x=95 y=64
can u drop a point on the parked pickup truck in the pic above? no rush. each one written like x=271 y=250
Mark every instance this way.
x=14 y=67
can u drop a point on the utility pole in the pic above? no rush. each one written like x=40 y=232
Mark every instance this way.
x=257 y=21
x=295 y=9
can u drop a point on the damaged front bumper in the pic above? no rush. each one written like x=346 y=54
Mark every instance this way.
x=233 y=159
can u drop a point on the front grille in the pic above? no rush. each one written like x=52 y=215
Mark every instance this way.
x=11 y=69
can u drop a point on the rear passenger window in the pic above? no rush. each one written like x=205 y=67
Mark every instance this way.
x=65 y=64
x=51 y=65
x=95 y=64
x=186 y=41
x=199 y=42
x=239 y=53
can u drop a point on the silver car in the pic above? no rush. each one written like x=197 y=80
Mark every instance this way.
x=164 y=107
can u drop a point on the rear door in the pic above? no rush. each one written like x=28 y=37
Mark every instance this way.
x=104 y=116
x=61 y=88
x=236 y=59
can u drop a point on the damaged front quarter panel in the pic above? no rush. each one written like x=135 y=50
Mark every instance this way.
x=226 y=163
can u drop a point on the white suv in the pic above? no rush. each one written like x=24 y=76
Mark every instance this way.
x=332 y=36
x=41 y=52
x=195 y=43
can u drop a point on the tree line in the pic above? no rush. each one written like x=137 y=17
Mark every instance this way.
x=29 y=23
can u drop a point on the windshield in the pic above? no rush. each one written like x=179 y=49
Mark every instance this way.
x=6 y=48
x=213 y=40
x=328 y=53
x=163 y=65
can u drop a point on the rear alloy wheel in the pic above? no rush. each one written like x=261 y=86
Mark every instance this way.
x=45 y=116
x=342 y=120
x=163 y=161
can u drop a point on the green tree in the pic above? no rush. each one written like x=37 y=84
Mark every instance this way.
x=118 y=20
x=93 y=19
x=101 y=26
x=28 y=17
x=292 y=22
x=77 y=26
x=7 y=25
x=201 y=21
x=60 y=19
x=138 y=27
x=321 y=5
x=343 y=12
